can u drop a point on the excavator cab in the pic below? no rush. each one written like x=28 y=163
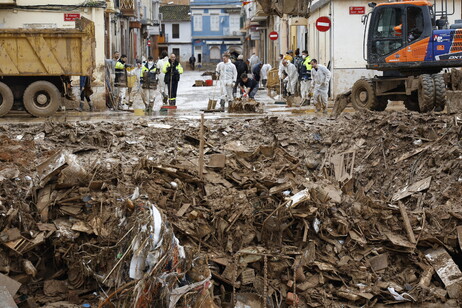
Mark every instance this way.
x=399 y=33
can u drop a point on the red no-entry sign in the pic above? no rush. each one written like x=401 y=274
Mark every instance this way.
x=323 y=23
x=273 y=36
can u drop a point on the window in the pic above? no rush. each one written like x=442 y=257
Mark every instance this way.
x=234 y=23
x=415 y=23
x=214 y=22
x=162 y=33
x=175 y=31
x=176 y=51
x=387 y=32
x=197 y=23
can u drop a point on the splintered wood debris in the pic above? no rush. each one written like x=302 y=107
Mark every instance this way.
x=282 y=211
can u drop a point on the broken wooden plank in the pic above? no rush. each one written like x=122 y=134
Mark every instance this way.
x=447 y=270
x=407 y=223
x=411 y=189
x=399 y=240
x=201 y=148
x=43 y=202
x=217 y=161
x=183 y=209
x=280 y=188
x=379 y=262
x=343 y=165
x=410 y=154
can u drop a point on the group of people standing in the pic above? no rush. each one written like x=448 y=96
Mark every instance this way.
x=237 y=75
x=162 y=75
x=301 y=75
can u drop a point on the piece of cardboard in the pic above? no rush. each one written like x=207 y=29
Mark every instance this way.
x=11 y=284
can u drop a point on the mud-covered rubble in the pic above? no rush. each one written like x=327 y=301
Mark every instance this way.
x=364 y=210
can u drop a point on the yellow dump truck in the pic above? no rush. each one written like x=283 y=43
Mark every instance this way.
x=36 y=66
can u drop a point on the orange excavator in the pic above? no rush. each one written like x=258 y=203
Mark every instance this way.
x=407 y=42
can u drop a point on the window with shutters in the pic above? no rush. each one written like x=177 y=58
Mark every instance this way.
x=175 y=31
x=197 y=22
x=214 y=22
x=234 y=23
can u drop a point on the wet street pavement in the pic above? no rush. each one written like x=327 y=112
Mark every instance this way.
x=191 y=102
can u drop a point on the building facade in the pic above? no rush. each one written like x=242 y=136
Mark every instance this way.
x=216 y=28
x=176 y=31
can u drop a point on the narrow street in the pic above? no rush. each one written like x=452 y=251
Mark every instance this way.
x=192 y=101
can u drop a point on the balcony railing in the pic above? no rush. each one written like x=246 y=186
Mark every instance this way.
x=128 y=7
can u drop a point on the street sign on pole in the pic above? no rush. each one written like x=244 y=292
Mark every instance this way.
x=273 y=36
x=323 y=23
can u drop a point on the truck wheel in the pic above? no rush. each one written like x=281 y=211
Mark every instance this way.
x=440 y=92
x=6 y=99
x=412 y=102
x=426 y=92
x=42 y=99
x=363 y=95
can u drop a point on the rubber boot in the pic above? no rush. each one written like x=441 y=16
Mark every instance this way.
x=80 y=109
x=222 y=104
x=164 y=98
x=92 y=106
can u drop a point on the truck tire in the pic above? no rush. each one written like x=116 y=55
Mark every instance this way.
x=363 y=95
x=42 y=99
x=6 y=99
x=426 y=92
x=440 y=92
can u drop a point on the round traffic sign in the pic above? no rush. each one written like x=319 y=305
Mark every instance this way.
x=273 y=36
x=323 y=23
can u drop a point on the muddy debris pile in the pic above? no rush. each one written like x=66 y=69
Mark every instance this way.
x=362 y=211
x=245 y=106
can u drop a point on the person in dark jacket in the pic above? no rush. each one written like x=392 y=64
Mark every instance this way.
x=256 y=71
x=248 y=86
x=85 y=92
x=241 y=68
x=172 y=70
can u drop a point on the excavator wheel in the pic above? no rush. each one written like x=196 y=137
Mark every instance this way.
x=426 y=92
x=42 y=99
x=6 y=99
x=363 y=96
x=440 y=92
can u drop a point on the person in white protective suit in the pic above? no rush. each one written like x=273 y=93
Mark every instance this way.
x=320 y=76
x=162 y=85
x=292 y=77
x=254 y=59
x=264 y=73
x=227 y=73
